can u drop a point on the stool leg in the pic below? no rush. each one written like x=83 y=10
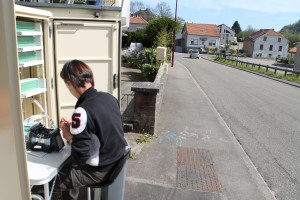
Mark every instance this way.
x=97 y=194
x=88 y=193
x=104 y=193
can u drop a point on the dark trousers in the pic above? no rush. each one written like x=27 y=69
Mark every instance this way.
x=72 y=178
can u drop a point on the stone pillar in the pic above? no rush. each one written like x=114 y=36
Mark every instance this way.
x=297 y=59
x=144 y=106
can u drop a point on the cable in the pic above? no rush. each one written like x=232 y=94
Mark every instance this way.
x=44 y=112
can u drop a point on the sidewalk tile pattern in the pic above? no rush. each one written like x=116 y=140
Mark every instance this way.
x=195 y=170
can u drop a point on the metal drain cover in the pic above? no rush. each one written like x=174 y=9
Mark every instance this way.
x=195 y=170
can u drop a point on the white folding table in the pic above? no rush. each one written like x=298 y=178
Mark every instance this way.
x=42 y=169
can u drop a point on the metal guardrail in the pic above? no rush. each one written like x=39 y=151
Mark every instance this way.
x=259 y=66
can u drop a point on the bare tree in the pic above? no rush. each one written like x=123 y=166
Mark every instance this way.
x=162 y=9
x=136 y=6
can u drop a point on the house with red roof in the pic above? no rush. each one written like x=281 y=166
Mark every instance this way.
x=227 y=35
x=137 y=22
x=200 y=36
x=266 y=43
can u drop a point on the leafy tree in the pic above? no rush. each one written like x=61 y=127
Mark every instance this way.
x=292 y=33
x=163 y=9
x=158 y=24
x=292 y=37
x=163 y=39
x=245 y=33
x=292 y=28
x=236 y=27
x=181 y=22
x=139 y=36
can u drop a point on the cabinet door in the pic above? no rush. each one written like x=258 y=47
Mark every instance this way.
x=93 y=42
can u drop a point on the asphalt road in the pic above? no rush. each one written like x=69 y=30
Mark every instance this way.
x=264 y=116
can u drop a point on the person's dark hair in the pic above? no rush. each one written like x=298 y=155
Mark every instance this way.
x=78 y=73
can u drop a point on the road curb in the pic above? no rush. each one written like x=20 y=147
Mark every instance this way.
x=260 y=74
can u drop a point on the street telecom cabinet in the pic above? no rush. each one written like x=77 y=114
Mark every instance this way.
x=62 y=33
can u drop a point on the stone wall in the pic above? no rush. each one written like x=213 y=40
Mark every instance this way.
x=147 y=101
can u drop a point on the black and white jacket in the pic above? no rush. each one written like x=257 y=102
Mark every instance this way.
x=97 y=129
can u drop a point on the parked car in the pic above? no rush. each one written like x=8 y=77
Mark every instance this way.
x=203 y=51
x=194 y=54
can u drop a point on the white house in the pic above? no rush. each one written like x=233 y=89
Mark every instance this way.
x=227 y=35
x=199 y=36
x=137 y=22
x=266 y=43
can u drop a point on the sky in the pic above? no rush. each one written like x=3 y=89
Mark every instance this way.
x=259 y=14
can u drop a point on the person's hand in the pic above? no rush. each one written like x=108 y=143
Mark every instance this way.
x=65 y=128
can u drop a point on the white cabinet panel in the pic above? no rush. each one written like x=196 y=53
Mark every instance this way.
x=94 y=42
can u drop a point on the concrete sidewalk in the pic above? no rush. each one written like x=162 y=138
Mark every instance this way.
x=195 y=155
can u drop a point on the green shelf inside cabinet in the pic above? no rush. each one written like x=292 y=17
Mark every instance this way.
x=30 y=84
x=25 y=26
x=27 y=56
x=25 y=41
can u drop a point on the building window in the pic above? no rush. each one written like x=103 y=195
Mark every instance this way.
x=265 y=38
x=280 y=48
x=212 y=43
x=194 y=42
x=271 y=48
x=279 y=39
x=261 y=47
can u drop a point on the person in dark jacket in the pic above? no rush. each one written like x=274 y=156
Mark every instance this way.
x=95 y=131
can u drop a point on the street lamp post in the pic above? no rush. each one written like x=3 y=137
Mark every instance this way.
x=174 y=37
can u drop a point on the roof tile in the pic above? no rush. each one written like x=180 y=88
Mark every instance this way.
x=202 y=29
x=261 y=32
x=137 y=20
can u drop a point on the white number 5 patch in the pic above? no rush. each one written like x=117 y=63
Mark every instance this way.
x=79 y=121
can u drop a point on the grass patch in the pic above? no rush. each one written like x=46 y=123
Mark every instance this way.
x=132 y=155
x=262 y=70
x=144 y=138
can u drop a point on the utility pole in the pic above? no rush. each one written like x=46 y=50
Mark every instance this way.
x=174 y=35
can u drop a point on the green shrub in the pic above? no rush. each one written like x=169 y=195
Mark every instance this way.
x=233 y=51
x=125 y=59
x=169 y=53
x=148 y=55
x=136 y=63
x=223 y=53
x=149 y=72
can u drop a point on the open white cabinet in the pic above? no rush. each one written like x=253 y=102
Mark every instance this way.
x=87 y=33
x=36 y=46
